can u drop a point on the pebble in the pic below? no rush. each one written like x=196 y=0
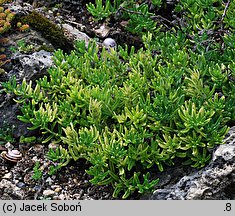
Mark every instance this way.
x=37 y=188
x=53 y=187
x=76 y=196
x=53 y=146
x=16 y=188
x=75 y=33
x=37 y=148
x=7 y=176
x=61 y=197
x=124 y=23
x=6 y=196
x=57 y=190
x=102 y=31
x=5 y=183
x=49 y=181
x=48 y=192
x=55 y=197
x=17 y=176
x=9 y=146
x=35 y=158
x=50 y=12
x=86 y=197
x=75 y=181
x=20 y=184
x=28 y=178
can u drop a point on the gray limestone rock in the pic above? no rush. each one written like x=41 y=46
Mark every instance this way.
x=102 y=31
x=75 y=34
x=215 y=181
x=31 y=66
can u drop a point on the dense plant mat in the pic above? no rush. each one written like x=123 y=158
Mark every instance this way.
x=128 y=111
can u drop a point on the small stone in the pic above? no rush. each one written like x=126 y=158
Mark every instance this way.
x=55 y=197
x=37 y=188
x=16 y=188
x=75 y=34
x=49 y=181
x=9 y=146
x=103 y=31
x=124 y=23
x=50 y=12
x=53 y=187
x=48 y=192
x=6 y=196
x=35 y=158
x=75 y=181
x=53 y=146
x=5 y=183
x=20 y=184
x=7 y=176
x=171 y=2
x=39 y=147
x=76 y=196
x=61 y=197
x=28 y=178
x=57 y=190
x=45 y=165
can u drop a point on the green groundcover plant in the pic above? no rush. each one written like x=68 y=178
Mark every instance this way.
x=190 y=15
x=127 y=112
x=138 y=14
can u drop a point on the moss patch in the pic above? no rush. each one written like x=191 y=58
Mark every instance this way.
x=49 y=30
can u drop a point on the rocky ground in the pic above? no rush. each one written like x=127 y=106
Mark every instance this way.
x=70 y=183
x=216 y=181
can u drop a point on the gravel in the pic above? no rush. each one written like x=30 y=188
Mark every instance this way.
x=70 y=183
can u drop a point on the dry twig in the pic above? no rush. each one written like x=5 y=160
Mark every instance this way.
x=224 y=14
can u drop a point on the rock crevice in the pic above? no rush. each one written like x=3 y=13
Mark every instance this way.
x=215 y=181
